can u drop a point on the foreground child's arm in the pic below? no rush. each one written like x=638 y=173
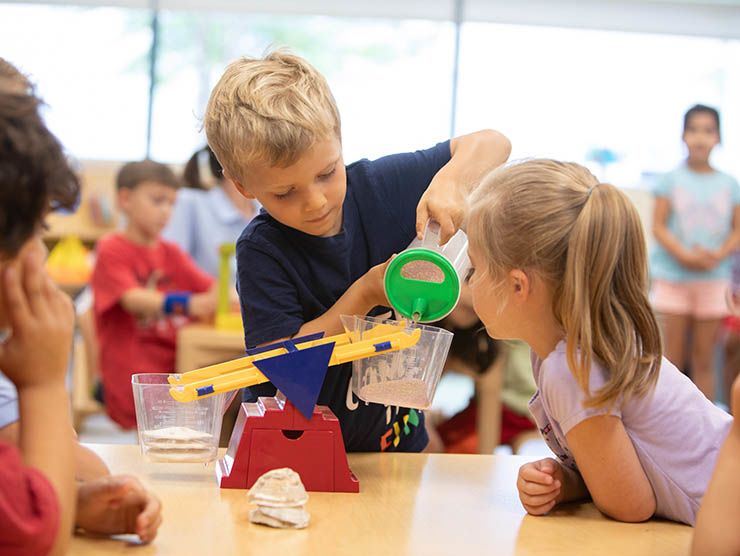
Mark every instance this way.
x=716 y=523
x=40 y=315
x=473 y=156
x=610 y=472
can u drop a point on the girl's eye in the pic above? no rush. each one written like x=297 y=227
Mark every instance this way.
x=284 y=195
x=469 y=275
x=328 y=174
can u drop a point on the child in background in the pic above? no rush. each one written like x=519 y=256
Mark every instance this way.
x=144 y=288
x=208 y=212
x=38 y=494
x=696 y=224
x=560 y=262
x=716 y=525
x=319 y=249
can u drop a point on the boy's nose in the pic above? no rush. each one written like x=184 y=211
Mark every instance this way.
x=316 y=200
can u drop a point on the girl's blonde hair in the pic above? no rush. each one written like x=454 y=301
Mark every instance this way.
x=585 y=240
x=268 y=110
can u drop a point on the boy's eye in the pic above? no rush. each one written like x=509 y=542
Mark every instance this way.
x=284 y=195
x=328 y=174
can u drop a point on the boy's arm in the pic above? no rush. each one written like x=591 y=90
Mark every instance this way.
x=716 y=522
x=473 y=156
x=367 y=292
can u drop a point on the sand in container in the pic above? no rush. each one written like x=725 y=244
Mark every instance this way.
x=402 y=393
x=173 y=431
x=178 y=444
x=406 y=378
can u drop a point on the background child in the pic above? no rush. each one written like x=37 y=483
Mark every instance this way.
x=319 y=249
x=38 y=495
x=208 y=212
x=144 y=288
x=716 y=525
x=560 y=262
x=697 y=227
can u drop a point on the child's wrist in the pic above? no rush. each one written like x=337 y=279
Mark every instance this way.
x=177 y=303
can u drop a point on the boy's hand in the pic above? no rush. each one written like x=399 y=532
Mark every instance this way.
x=41 y=319
x=373 y=285
x=203 y=305
x=116 y=505
x=540 y=484
x=444 y=202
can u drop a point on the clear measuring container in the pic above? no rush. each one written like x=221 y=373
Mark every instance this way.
x=405 y=378
x=172 y=431
x=423 y=282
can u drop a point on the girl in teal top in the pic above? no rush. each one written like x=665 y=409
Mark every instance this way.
x=697 y=227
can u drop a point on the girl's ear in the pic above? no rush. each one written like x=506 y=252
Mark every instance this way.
x=239 y=187
x=520 y=284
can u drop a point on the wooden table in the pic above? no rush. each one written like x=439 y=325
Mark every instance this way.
x=199 y=345
x=413 y=504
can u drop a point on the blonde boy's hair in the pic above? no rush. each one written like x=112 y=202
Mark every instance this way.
x=585 y=240
x=268 y=110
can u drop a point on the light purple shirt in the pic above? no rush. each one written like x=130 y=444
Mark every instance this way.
x=676 y=431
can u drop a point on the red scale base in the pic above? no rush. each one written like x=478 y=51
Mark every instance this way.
x=272 y=433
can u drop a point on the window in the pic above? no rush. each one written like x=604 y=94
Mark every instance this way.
x=90 y=65
x=391 y=79
x=568 y=94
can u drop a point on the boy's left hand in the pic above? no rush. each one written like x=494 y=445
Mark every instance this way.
x=443 y=201
x=118 y=504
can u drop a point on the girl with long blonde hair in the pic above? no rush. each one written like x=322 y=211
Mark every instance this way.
x=560 y=262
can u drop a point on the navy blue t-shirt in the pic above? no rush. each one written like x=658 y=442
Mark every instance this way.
x=287 y=278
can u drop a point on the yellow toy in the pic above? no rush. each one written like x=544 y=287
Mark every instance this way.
x=226 y=319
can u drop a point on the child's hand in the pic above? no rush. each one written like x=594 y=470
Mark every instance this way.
x=41 y=319
x=203 y=305
x=539 y=484
x=444 y=202
x=700 y=259
x=373 y=284
x=116 y=505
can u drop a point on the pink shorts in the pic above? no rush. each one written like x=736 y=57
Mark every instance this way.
x=701 y=299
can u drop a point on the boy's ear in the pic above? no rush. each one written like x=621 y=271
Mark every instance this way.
x=521 y=285
x=239 y=187
x=122 y=198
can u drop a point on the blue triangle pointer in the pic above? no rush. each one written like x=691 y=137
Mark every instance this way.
x=299 y=375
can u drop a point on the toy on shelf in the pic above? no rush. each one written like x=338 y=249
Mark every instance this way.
x=226 y=319
x=289 y=430
x=69 y=262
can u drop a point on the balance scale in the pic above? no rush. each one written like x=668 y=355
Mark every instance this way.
x=289 y=430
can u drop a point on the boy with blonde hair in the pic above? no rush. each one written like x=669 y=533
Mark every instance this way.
x=319 y=247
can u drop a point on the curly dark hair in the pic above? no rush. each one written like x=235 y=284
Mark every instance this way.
x=35 y=176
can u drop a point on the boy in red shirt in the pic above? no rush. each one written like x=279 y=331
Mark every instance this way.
x=145 y=288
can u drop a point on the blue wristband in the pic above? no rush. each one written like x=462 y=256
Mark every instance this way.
x=177 y=303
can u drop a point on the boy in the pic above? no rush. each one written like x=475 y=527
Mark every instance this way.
x=38 y=495
x=144 y=288
x=319 y=248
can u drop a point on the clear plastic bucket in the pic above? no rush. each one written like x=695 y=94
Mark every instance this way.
x=172 y=431
x=423 y=282
x=405 y=378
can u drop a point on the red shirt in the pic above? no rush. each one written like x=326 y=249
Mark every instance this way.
x=29 y=510
x=129 y=344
